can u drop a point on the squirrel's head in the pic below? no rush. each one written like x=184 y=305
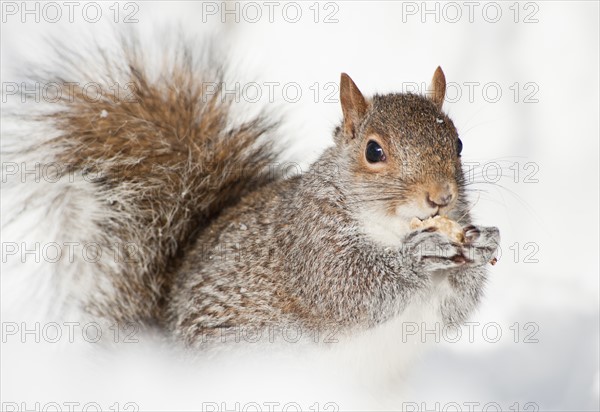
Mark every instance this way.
x=403 y=152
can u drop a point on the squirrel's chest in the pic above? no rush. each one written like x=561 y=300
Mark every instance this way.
x=382 y=228
x=391 y=346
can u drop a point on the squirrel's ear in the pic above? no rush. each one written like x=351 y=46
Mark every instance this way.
x=354 y=105
x=437 y=89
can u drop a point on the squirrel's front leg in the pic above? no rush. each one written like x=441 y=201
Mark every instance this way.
x=431 y=251
x=461 y=265
x=387 y=280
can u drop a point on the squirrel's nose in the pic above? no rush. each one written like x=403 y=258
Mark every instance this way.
x=439 y=195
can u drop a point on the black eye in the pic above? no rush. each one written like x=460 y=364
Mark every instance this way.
x=458 y=146
x=374 y=152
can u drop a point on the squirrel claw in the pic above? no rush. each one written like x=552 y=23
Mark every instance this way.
x=459 y=259
x=472 y=233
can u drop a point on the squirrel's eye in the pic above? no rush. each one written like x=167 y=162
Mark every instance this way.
x=458 y=146
x=374 y=152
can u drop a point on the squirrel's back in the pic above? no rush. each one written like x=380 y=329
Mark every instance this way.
x=119 y=173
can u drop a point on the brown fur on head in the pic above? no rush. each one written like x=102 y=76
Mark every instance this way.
x=420 y=169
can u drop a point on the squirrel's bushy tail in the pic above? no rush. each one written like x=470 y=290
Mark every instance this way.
x=132 y=161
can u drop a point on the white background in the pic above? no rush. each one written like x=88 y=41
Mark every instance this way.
x=553 y=140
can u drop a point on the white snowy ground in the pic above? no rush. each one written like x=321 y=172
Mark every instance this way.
x=545 y=125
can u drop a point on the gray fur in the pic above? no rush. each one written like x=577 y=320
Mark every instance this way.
x=217 y=251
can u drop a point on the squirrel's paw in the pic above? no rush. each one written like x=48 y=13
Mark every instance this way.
x=431 y=250
x=481 y=244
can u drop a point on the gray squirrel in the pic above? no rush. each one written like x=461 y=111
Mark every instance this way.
x=207 y=239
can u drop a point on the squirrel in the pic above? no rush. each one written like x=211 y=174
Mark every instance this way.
x=209 y=239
